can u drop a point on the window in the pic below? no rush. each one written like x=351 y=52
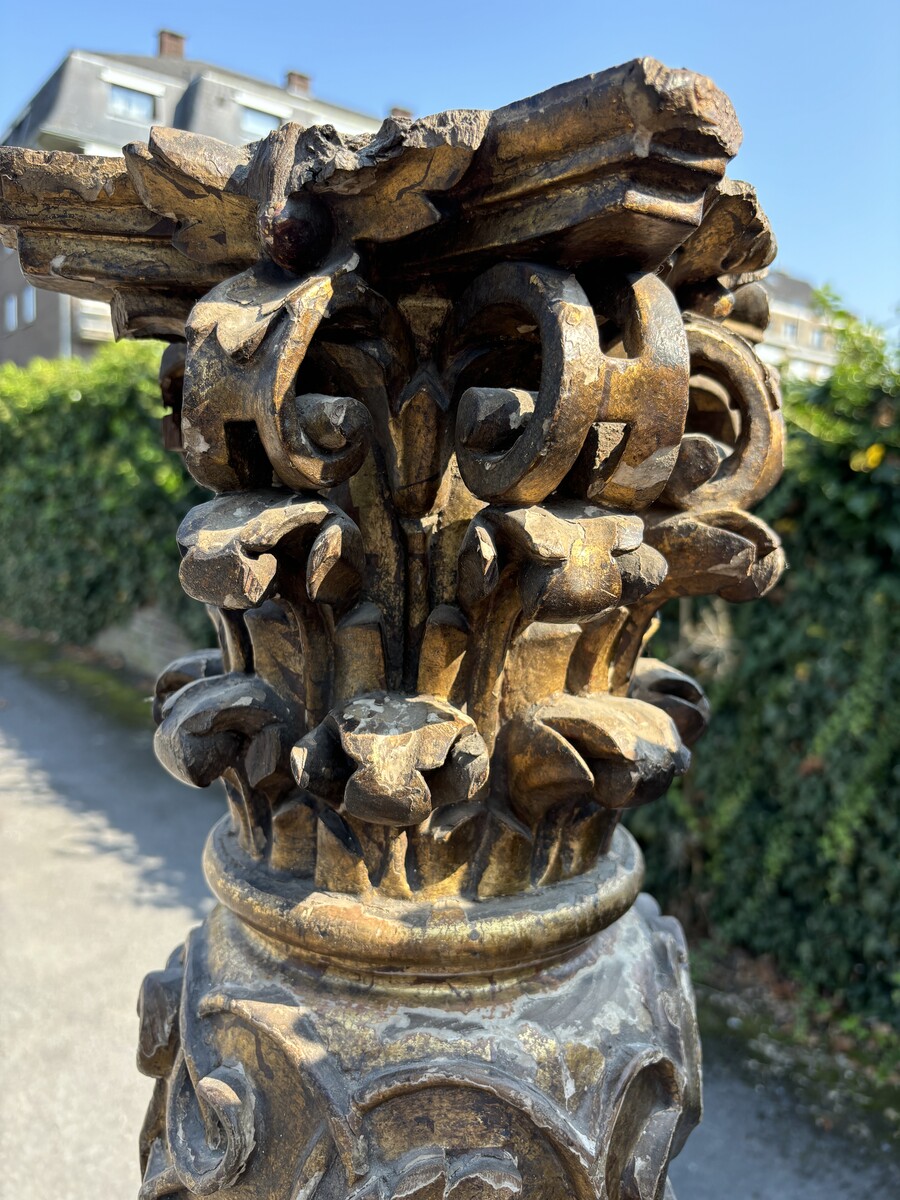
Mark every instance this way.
x=29 y=304
x=790 y=330
x=11 y=313
x=819 y=339
x=255 y=123
x=92 y=320
x=130 y=105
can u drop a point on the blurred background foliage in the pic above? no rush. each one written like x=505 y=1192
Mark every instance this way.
x=783 y=837
x=89 y=499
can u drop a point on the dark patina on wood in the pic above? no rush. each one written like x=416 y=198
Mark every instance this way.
x=475 y=396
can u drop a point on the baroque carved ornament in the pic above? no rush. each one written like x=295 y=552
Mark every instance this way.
x=475 y=396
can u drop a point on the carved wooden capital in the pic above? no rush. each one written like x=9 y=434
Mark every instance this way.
x=476 y=397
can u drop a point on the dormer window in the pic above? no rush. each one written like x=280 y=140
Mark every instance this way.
x=131 y=105
x=256 y=123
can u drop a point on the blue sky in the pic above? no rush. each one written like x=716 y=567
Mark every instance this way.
x=816 y=86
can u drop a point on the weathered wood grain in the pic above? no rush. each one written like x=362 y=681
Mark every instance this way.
x=477 y=394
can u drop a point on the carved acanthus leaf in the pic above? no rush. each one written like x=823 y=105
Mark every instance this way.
x=621 y=751
x=391 y=760
x=232 y=727
x=432 y=1174
x=677 y=694
x=202 y=664
x=570 y=561
x=723 y=552
x=240 y=549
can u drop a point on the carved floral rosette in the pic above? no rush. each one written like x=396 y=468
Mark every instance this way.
x=475 y=396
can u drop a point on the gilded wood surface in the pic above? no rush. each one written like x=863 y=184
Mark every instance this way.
x=475 y=396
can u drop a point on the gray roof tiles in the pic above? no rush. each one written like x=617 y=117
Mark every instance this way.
x=789 y=290
x=188 y=69
x=72 y=103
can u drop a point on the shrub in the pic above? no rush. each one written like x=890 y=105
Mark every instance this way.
x=785 y=835
x=89 y=499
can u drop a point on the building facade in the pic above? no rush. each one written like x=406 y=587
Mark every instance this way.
x=799 y=339
x=97 y=103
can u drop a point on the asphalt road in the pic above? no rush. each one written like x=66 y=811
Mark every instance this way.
x=100 y=880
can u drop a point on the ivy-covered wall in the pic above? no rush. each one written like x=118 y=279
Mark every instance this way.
x=89 y=499
x=785 y=836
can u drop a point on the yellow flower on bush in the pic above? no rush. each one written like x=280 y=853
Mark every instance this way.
x=868 y=459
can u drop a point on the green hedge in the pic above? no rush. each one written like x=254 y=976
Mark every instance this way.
x=89 y=499
x=784 y=837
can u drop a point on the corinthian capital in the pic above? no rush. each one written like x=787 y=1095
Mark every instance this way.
x=477 y=394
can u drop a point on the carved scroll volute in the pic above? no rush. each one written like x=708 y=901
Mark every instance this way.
x=367 y=347
x=714 y=272
x=241 y=421
x=610 y=427
x=642 y=399
x=753 y=466
x=515 y=445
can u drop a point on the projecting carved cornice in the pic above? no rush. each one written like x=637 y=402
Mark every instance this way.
x=611 y=165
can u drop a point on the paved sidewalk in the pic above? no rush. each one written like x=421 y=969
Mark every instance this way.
x=101 y=879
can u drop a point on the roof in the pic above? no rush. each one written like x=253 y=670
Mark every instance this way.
x=789 y=290
x=187 y=69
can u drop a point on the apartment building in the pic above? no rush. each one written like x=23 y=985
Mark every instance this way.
x=799 y=339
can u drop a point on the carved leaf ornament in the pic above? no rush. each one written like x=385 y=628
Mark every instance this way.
x=475 y=395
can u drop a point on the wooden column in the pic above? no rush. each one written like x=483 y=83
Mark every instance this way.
x=474 y=396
